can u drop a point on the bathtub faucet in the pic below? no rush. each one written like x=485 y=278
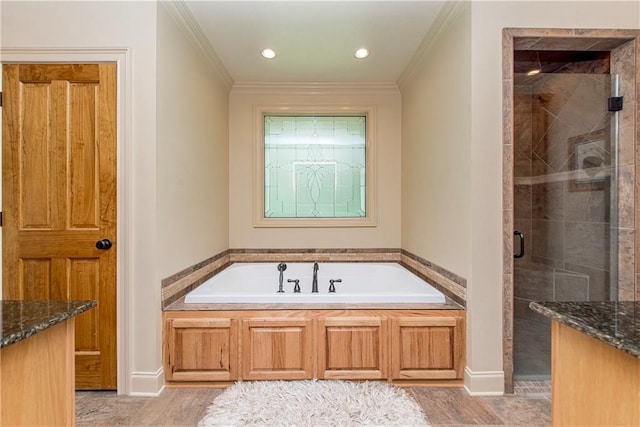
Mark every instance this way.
x=281 y=268
x=314 y=284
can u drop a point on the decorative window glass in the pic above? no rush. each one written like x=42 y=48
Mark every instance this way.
x=314 y=166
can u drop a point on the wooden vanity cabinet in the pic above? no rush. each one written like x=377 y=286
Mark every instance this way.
x=427 y=348
x=277 y=349
x=352 y=348
x=201 y=349
x=417 y=347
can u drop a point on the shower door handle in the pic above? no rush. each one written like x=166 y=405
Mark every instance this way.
x=520 y=254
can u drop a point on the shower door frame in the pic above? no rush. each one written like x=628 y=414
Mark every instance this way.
x=624 y=46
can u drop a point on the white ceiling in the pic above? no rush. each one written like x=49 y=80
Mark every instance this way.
x=315 y=40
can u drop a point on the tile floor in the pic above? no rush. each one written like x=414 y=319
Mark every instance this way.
x=529 y=406
x=532 y=346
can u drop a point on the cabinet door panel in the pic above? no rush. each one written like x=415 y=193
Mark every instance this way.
x=277 y=349
x=202 y=349
x=352 y=348
x=427 y=348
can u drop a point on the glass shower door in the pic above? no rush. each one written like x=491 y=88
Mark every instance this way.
x=565 y=203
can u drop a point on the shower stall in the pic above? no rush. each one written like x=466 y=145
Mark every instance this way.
x=565 y=191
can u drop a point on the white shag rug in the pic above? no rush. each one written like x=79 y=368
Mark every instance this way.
x=313 y=403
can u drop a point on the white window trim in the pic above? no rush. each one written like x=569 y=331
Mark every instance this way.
x=371 y=206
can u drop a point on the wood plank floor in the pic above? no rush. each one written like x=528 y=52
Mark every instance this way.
x=185 y=407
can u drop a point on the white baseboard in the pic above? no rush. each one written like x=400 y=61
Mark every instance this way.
x=484 y=383
x=147 y=383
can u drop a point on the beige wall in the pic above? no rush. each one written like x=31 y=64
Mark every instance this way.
x=436 y=120
x=132 y=25
x=192 y=146
x=116 y=25
x=484 y=296
x=242 y=233
x=452 y=155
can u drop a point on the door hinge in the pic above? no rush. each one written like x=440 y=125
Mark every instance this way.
x=0 y=99
x=1 y=222
x=615 y=103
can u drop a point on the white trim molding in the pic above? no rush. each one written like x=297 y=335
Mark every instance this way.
x=318 y=88
x=122 y=57
x=484 y=383
x=371 y=209
x=148 y=384
x=449 y=12
x=183 y=17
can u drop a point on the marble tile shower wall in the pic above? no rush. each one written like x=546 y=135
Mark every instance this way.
x=565 y=216
x=625 y=62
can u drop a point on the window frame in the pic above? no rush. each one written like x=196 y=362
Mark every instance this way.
x=370 y=218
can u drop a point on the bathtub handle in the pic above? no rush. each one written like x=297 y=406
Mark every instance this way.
x=296 y=286
x=332 y=288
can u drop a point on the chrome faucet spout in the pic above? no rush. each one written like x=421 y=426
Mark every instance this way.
x=314 y=284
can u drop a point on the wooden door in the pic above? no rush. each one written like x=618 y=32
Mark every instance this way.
x=59 y=199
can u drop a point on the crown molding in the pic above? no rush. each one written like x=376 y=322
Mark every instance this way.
x=449 y=12
x=320 y=88
x=182 y=15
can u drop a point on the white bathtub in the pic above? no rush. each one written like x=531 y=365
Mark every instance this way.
x=361 y=283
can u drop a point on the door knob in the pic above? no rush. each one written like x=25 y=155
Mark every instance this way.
x=104 y=244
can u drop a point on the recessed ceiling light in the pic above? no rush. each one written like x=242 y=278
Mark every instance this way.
x=268 y=53
x=362 y=53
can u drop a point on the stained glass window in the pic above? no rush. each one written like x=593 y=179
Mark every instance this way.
x=314 y=167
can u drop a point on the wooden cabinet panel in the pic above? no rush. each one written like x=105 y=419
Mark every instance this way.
x=38 y=379
x=202 y=349
x=427 y=348
x=277 y=349
x=592 y=383
x=418 y=347
x=353 y=348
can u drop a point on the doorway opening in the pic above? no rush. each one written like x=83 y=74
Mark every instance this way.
x=126 y=381
x=568 y=195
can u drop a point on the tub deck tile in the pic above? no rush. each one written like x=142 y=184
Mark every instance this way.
x=180 y=305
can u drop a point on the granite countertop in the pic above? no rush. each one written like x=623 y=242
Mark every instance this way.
x=22 y=319
x=614 y=323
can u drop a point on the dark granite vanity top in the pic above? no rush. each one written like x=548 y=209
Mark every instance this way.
x=614 y=323
x=22 y=319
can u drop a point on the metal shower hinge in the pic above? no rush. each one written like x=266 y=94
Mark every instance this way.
x=615 y=103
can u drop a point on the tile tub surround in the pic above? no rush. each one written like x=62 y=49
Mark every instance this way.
x=180 y=305
x=22 y=319
x=178 y=285
x=614 y=323
x=175 y=287
x=315 y=255
x=450 y=284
